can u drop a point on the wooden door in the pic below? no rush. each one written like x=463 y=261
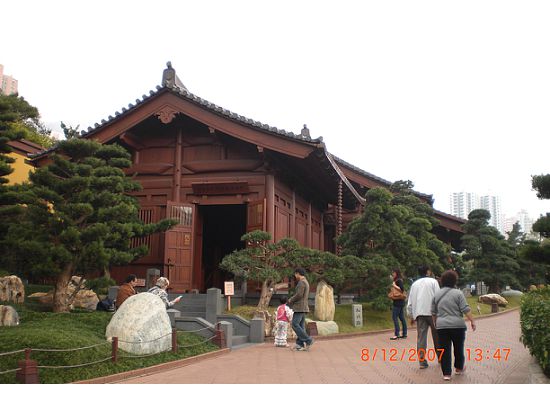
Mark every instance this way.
x=256 y=216
x=178 y=246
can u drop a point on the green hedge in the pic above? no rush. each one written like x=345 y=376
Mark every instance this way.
x=535 y=325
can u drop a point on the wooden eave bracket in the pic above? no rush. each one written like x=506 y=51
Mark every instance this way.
x=132 y=141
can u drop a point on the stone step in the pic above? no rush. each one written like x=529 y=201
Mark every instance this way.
x=185 y=307
x=239 y=340
x=193 y=314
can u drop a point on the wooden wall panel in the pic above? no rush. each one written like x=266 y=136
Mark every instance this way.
x=282 y=224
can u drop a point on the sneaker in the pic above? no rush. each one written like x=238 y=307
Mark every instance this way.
x=301 y=348
x=423 y=366
x=446 y=377
x=394 y=338
x=311 y=343
x=460 y=371
x=403 y=337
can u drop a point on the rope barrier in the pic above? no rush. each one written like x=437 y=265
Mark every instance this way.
x=74 y=366
x=149 y=341
x=9 y=371
x=196 y=344
x=198 y=330
x=11 y=352
x=75 y=349
x=165 y=351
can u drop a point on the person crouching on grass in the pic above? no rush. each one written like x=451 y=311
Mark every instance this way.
x=284 y=316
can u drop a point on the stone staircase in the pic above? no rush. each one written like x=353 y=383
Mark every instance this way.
x=191 y=305
x=197 y=311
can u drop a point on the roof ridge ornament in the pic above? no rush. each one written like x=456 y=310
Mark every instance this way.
x=305 y=132
x=170 y=79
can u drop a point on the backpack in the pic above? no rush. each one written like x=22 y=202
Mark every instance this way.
x=105 y=305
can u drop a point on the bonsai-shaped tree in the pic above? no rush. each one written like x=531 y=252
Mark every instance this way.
x=494 y=259
x=77 y=217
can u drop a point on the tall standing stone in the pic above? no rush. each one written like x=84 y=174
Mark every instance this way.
x=324 y=302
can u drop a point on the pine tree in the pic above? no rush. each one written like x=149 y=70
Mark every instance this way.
x=77 y=217
x=396 y=228
x=494 y=260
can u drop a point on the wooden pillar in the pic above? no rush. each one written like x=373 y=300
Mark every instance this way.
x=339 y=217
x=322 y=234
x=309 y=231
x=270 y=206
x=293 y=232
x=177 y=167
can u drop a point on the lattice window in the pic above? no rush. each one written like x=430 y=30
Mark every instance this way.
x=182 y=214
x=147 y=216
x=256 y=215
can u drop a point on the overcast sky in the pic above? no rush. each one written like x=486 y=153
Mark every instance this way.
x=454 y=96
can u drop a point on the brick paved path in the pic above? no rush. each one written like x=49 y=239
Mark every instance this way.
x=339 y=361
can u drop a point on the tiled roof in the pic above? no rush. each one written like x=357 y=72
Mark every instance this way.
x=360 y=171
x=183 y=93
x=205 y=104
x=376 y=178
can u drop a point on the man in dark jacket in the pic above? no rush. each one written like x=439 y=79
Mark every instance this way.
x=299 y=303
x=126 y=290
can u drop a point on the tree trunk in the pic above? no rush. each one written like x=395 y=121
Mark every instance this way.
x=265 y=296
x=263 y=304
x=61 y=300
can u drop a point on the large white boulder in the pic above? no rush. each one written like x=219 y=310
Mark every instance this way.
x=142 y=325
x=324 y=302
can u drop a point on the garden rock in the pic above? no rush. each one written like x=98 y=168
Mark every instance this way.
x=142 y=325
x=12 y=289
x=325 y=328
x=512 y=293
x=8 y=316
x=324 y=302
x=493 y=298
x=85 y=298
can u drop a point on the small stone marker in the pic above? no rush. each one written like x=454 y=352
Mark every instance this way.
x=357 y=314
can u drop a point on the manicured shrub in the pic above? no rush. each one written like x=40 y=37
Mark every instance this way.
x=535 y=325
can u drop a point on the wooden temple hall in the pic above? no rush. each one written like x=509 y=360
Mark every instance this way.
x=222 y=175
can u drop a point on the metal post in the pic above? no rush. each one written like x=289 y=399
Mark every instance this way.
x=174 y=340
x=114 y=350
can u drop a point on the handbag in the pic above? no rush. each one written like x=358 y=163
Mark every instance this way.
x=397 y=294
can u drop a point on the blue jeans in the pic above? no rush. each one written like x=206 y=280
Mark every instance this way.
x=299 y=326
x=398 y=312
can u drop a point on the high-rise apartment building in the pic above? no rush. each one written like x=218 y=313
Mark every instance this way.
x=525 y=223
x=462 y=203
x=492 y=204
x=8 y=85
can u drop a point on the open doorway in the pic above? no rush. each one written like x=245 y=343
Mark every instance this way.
x=222 y=228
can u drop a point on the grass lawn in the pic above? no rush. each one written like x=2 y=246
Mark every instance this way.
x=373 y=320
x=46 y=330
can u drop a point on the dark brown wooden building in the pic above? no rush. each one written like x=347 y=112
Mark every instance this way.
x=221 y=175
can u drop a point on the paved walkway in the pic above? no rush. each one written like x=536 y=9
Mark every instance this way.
x=339 y=361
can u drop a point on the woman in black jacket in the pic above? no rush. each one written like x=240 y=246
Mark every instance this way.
x=398 y=311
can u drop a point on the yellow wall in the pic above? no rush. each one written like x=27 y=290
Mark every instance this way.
x=21 y=170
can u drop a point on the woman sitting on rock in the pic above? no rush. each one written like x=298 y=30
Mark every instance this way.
x=160 y=290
